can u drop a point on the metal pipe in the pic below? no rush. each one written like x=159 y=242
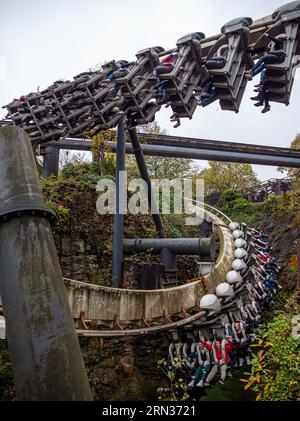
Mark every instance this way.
x=138 y=153
x=228 y=152
x=44 y=348
x=119 y=217
x=178 y=246
x=51 y=162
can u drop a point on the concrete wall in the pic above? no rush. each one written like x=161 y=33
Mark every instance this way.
x=105 y=303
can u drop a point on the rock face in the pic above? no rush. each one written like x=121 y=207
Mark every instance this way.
x=125 y=368
x=284 y=232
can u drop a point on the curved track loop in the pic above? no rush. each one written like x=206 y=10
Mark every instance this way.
x=105 y=311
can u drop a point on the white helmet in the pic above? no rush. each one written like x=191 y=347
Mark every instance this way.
x=237 y=234
x=210 y=302
x=224 y=290
x=233 y=277
x=238 y=264
x=240 y=253
x=233 y=226
x=240 y=243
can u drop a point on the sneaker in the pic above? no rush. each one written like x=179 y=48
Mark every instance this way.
x=259 y=104
x=248 y=361
x=241 y=362
x=229 y=374
x=191 y=384
x=200 y=384
x=221 y=382
x=206 y=384
x=266 y=109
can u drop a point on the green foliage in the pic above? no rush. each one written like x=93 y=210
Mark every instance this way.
x=240 y=209
x=228 y=197
x=276 y=367
x=177 y=389
x=89 y=172
x=221 y=176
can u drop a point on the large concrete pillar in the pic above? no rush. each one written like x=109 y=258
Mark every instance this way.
x=44 y=348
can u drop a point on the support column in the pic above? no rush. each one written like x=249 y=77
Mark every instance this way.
x=119 y=217
x=43 y=344
x=138 y=153
x=51 y=161
x=298 y=266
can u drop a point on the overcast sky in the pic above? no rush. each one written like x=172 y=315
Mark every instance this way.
x=42 y=41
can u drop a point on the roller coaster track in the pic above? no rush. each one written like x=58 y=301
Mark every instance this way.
x=104 y=311
x=98 y=100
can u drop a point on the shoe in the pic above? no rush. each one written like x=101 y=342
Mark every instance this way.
x=259 y=104
x=248 y=361
x=241 y=362
x=256 y=98
x=235 y=364
x=200 y=384
x=257 y=90
x=229 y=374
x=206 y=384
x=221 y=382
x=260 y=85
x=266 y=109
x=177 y=125
x=191 y=384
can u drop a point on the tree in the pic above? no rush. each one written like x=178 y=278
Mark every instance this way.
x=168 y=168
x=292 y=172
x=221 y=176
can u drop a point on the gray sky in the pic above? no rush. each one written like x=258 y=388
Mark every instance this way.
x=42 y=41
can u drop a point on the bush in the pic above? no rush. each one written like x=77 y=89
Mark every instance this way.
x=276 y=366
x=228 y=197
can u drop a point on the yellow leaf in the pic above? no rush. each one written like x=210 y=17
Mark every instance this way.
x=258 y=398
x=248 y=385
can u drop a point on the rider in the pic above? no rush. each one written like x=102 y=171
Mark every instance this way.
x=220 y=357
x=204 y=366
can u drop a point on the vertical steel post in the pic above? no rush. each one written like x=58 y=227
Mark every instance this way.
x=44 y=348
x=139 y=156
x=51 y=161
x=119 y=217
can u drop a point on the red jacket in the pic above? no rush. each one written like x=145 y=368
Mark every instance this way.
x=219 y=355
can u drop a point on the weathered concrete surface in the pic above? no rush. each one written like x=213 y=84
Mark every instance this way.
x=44 y=349
x=105 y=303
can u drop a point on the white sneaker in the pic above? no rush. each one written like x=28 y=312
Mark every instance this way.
x=192 y=384
x=248 y=361
x=200 y=384
x=241 y=361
